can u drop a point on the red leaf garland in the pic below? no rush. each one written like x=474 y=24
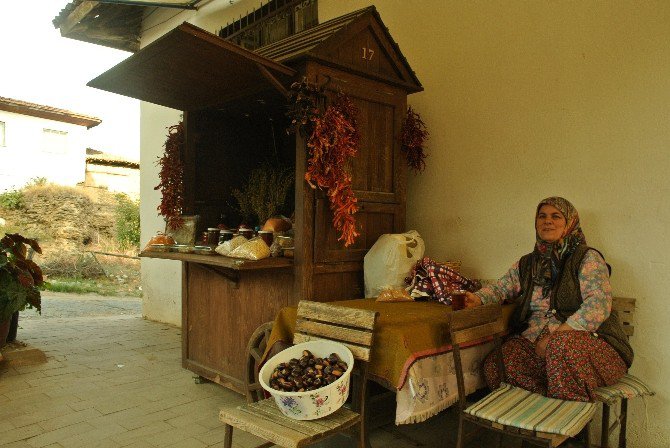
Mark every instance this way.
x=412 y=138
x=171 y=177
x=334 y=141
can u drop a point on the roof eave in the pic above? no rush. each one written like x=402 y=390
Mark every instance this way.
x=111 y=25
x=62 y=116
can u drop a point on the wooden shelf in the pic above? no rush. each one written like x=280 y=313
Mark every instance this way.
x=224 y=262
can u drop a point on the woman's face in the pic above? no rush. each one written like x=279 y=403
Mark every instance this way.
x=550 y=223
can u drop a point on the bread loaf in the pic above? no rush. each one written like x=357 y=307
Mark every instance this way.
x=277 y=224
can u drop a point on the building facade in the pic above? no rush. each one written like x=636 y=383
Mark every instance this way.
x=38 y=141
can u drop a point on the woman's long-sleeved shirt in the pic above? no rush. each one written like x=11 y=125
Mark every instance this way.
x=594 y=285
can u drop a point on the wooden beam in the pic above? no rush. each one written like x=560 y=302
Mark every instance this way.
x=274 y=81
x=76 y=16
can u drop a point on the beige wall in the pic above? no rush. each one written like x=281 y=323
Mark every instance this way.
x=161 y=279
x=523 y=100
x=120 y=179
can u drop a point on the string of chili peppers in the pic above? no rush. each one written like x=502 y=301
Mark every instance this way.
x=171 y=177
x=412 y=139
x=332 y=144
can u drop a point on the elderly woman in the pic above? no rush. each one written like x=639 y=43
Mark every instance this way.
x=566 y=341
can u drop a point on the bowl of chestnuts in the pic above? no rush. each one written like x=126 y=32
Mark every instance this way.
x=309 y=380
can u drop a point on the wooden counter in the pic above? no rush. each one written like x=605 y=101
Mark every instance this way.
x=223 y=301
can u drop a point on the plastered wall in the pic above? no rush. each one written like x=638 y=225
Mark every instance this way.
x=523 y=100
x=26 y=155
x=161 y=279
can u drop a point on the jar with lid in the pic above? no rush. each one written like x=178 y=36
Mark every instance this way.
x=266 y=236
x=225 y=235
x=212 y=236
x=247 y=233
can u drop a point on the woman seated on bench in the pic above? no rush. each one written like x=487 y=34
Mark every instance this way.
x=565 y=342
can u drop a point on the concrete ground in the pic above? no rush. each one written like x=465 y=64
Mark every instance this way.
x=113 y=379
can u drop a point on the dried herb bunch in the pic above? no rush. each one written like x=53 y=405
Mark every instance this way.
x=412 y=138
x=264 y=195
x=305 y=100
x=171 y=177
x=332 y=144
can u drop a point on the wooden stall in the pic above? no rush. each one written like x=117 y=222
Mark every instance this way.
x=235 y=104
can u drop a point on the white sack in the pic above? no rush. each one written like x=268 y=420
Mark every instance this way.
x=390 y=260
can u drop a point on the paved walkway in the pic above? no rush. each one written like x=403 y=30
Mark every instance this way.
x=58 y=304
x=115 y=380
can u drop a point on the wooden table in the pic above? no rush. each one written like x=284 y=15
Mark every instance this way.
x=412 y=354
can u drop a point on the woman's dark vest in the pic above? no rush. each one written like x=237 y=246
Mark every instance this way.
x=566 y=298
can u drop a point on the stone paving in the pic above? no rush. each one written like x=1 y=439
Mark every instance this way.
x=115 y=380
x=56 y=304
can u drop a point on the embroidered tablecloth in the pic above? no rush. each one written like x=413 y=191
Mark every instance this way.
x=412 y=354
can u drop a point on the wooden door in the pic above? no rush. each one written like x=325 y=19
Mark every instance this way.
x=378 y=171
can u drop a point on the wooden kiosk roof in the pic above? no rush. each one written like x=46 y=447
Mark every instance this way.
x=191 y=69
x=324 y=42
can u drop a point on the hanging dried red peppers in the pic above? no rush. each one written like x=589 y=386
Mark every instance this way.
x=171 y=177
x=412 y=138
x=333 y=142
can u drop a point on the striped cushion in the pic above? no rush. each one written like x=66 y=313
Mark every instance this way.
x=512 y=406
x=628 y=386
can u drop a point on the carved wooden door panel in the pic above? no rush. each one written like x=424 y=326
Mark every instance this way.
x=378 y=174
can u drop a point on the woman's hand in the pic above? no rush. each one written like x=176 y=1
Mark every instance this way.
x=472 y=300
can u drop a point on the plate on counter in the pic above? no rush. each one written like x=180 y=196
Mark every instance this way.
x=204 y=250
x=181 y=248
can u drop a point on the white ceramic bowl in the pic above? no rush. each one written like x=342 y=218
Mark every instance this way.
x=313 y=404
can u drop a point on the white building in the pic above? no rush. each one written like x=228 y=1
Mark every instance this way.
x=41 y=141
x=113 y=173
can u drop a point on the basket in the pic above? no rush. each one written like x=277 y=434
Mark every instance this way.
x=455 y=265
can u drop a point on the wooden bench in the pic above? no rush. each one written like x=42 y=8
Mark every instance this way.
x=628 y=386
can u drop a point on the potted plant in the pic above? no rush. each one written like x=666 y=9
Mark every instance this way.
x=20 y=279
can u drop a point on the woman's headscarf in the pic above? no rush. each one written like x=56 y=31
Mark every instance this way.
x=548 y=257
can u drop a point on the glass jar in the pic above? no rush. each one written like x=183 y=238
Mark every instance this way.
x=212 y=236
x=247 y=233
x=226 y=235
x=266 y=236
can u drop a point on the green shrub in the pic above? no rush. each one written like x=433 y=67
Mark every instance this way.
x=127 y=222
x=11 y=200
x=37 y=182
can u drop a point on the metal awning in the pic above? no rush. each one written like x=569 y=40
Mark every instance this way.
x=191 y=69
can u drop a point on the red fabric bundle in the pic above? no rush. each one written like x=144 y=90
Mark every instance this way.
x=435 y=281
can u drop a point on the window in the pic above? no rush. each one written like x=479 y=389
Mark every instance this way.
x=2 y=133
x=54 y=141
